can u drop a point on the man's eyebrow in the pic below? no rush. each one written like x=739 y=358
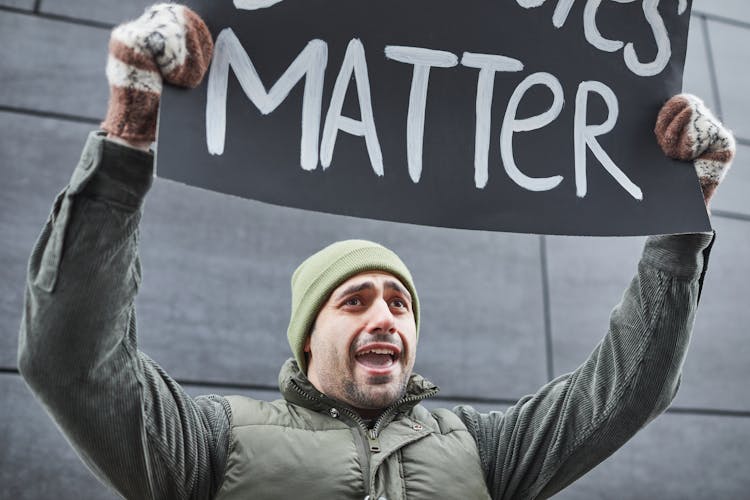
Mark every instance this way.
x=395 y=285
x=355 y=288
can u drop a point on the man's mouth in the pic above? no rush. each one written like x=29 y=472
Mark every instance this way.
x=378 y=357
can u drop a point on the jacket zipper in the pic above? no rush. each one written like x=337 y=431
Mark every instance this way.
x=372 y=433
x=392 y=409
x=365 y=458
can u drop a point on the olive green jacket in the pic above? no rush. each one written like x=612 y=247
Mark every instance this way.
x=317 y=448
x=140 y=433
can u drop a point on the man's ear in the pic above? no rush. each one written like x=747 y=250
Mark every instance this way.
x=307 y=351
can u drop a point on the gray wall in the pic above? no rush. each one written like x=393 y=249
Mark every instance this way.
x=503 y=312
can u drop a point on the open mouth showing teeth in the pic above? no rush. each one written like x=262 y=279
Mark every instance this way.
x=377 y=357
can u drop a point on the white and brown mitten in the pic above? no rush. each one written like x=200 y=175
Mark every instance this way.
x=168 y=42
x=687 y=130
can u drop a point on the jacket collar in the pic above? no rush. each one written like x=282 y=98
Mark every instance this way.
x=297 y=389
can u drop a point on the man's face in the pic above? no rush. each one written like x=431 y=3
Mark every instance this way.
x=362 y=348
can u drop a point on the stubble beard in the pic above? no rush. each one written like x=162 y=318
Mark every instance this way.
x=377 y=394
x=339 y=381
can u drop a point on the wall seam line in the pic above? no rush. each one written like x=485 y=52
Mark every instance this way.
x=676 y=410
x=711 y=66
x=58 y=17
x=546 y=307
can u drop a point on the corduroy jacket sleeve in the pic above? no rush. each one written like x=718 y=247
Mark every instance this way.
x=128 y=420
x=549 y=439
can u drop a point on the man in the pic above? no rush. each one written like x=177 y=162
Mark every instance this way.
x=350 y=424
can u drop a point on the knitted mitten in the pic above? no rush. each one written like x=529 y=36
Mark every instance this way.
x=167 y=42
x=687 y=130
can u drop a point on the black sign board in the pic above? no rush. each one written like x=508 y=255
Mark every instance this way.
x=514 y=115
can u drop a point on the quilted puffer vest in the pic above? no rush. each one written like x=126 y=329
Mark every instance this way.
x=308 y=446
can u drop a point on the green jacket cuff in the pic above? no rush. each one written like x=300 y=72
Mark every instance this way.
x=681 y=255
x=112 y=172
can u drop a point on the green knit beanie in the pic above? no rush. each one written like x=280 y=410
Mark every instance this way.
x=315 y=279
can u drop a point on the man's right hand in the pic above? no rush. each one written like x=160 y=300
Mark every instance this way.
x=168 y=42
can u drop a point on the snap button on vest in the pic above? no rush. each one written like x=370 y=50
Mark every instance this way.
x=417 y=427
x=334 y=412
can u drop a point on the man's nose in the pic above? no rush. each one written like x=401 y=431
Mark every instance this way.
x=381 y=318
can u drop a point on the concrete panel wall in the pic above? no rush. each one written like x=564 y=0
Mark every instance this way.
x=503 y=313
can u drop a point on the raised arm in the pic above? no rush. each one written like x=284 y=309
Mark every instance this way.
x=127 y=419
x=549 y=439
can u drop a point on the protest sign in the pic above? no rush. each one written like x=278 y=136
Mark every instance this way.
x=516 y=115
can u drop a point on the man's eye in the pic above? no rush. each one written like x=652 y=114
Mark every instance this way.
x=353 y=301
x=398 y=303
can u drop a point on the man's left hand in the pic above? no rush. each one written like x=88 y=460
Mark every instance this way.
x=687 y=130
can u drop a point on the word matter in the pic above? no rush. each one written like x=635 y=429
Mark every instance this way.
x=311 y=64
